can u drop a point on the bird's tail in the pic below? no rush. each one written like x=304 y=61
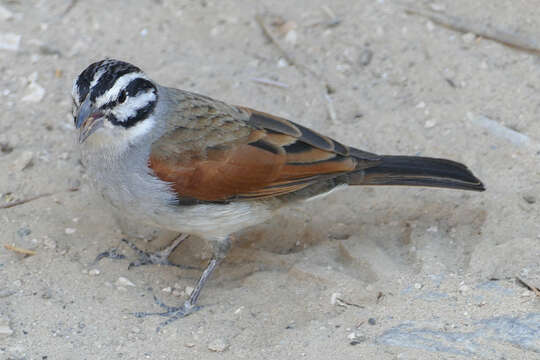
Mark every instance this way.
x=417 y=171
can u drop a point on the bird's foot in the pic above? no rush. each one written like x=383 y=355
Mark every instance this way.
x=160 y=257
x=111 y=254
x=171 y=312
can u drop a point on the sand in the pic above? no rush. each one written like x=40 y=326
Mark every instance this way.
x=384 y=273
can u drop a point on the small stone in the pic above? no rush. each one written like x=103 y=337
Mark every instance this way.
x=437 y=7
x=334 y=299
x=6 y=292
x=468 y=38
x=5 y=329
x=530 y=199
x=351 y=336
x=365 y=57
x=189 y=290
x=70 y=231
x=24 y=231
x=418 y=286
x=358 y=340
x=49 y=243
x=167 y=290
x=430 y=25
x=24 y=161
x=463 y=288
x=189 y=345
x=122 y=281
x=372 y=321
x=218 y=345
x=47 y=294
x=34 y=93
x=286 y=27
x=177 y=293
x=94 y=272
x=9 y=41
x=282 y=63
x=291 y=37
x=429 y=124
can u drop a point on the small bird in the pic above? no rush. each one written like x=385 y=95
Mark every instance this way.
x=185 y=162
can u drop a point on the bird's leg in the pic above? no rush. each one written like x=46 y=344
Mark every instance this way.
x=190 y=306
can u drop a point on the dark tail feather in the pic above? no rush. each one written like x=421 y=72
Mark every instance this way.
x=418 y=171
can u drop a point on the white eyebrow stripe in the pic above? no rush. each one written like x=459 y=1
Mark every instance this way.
x=130 y=108
x=121 y=83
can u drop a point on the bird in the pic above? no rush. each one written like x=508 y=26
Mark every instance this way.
x=185 y=162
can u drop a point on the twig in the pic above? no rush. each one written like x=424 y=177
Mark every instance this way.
x=486 y=31
x=24 y=201
x=70 y=7
x=270 y=82
x=499 y=130
x=534 y=289
x=330 y=107
x=19 y=250
x=344 y=303
x=290 y=59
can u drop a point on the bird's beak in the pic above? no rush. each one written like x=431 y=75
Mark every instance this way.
x=87 y=120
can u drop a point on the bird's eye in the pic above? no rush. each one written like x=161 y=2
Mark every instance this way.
x=122 y=97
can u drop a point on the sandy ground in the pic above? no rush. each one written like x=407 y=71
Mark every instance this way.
x=385 y=273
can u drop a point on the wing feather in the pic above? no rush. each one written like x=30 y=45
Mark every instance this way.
x=260 y=156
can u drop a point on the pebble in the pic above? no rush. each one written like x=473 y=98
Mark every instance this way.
x=239 y=310
x=530 y=199
x=418 y=286
x=24 y=231
x=5 y=330
x=70 y=231
x=49 y=243
x=218 y=345
x=34 y=93
x=334 y=299
x=10 y=41
x=291 y=37
x=468 y=38
x=429 y=124
x=177 y=293
x=189 y=290
x=24 y=161
x=365 y=57
x=5 y=14
x=282 y=63
x=167 y=290
x=437 y=7
x=122 y=281
x=6 y=292
x=94 y=272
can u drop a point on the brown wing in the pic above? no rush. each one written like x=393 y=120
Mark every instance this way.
x=245 y=154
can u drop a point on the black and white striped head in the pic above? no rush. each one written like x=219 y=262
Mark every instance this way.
x=114 y=99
